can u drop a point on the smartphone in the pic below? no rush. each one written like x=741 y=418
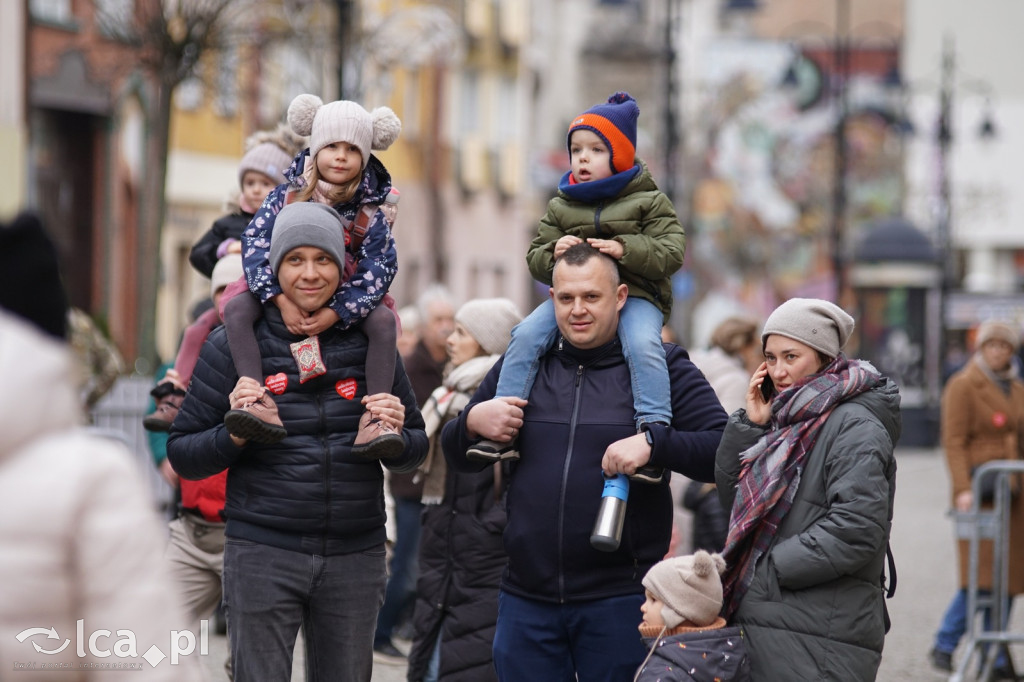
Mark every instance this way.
x=767 y=388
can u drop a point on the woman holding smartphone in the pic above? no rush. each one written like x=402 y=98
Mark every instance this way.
x=807 y=469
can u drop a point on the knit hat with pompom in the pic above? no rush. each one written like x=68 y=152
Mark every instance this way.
x=689 y=588
x=343 y=121
x=615 y=123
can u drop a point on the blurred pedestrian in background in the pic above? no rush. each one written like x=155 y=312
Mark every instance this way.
x=195 y=550
x=808 y=472
x=982 y=421
x=425 y=366
x=461 y=554
x=268 y=153
x=98 y=361
x=733 y=355
x=80 y=542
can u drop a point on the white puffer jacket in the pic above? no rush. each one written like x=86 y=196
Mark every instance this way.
x=79 y=536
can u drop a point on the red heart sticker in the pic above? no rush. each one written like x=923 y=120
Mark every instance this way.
x=999 y=420
x=277 y=383
x=346 y=388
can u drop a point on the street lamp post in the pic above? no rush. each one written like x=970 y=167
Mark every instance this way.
x=841 y=71
x=944 y=206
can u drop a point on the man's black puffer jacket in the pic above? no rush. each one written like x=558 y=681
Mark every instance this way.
x=580 y=403
x=307 y=493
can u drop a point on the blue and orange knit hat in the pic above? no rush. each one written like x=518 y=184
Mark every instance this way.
x=615 y=122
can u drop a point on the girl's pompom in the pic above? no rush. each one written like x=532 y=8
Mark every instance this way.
x=301 y=113
x=386 y=127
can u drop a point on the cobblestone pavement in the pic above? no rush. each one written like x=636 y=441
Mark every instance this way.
x=922 y=543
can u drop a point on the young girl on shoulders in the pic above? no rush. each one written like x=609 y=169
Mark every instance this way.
x=339 y=170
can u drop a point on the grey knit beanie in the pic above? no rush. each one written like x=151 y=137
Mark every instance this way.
x=343 y=121
x=266 y=158
x=995 y=329
x=820 y=324
x=689 y=587
x=307 y=223
x=227 y=270
x=490 y=322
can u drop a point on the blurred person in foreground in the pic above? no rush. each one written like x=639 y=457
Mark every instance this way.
x=567 y=608
x=461 y=556
x=982 y=421
x=80 y=541
x=808 y=470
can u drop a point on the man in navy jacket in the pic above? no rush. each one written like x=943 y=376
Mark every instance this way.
x=305 y=516
x=567 y=610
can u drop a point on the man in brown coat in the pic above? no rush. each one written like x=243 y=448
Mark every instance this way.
x=982 y=420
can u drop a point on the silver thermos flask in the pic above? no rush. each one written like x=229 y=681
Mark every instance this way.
x=607 y=531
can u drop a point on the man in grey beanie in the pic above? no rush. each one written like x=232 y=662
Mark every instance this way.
x=306 y=505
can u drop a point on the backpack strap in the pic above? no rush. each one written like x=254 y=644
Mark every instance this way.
x=355 y=230
x=890 y=589
x=360 y=226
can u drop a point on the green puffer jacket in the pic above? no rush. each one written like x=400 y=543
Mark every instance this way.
x=814 y=610
x=641 y=218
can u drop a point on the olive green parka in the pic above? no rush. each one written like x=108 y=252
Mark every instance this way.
x=641 y=218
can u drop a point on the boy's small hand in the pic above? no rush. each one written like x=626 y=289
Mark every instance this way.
x=563 y=244
x=319 y=321
x=608 y=247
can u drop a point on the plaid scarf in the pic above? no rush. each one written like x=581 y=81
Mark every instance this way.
x=771 y=468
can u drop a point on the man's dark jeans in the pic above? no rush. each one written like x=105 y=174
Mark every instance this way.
x=595 y=641
x=269 y=592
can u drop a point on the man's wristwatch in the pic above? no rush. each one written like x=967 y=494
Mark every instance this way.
x=650 y=438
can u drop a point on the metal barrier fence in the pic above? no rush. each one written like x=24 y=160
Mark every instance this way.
x=991 y=524
x=120 y=414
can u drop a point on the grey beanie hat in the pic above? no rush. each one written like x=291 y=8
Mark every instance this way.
x=490 y=322
x=343 y=121
x=820 y=324
x=689 y=587
x=266 y=158
x=307 y=223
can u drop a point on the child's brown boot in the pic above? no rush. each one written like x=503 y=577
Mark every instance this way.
x=257 y=422
x=376 y=439
x=168 y=402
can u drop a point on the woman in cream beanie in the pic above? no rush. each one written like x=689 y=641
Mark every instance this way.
x=809 y=475
x=461 y=552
